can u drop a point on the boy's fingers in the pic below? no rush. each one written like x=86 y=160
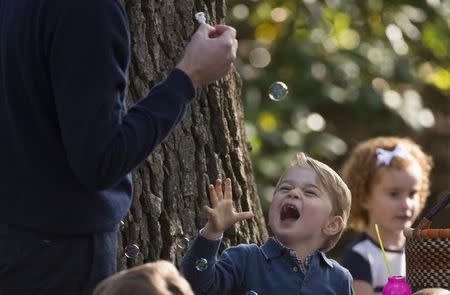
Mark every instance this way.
x=208 y=210
x=212 y=195
x=219 y=192
x=228 y=190
x=243 y=215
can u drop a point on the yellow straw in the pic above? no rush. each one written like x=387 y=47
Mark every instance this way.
x=382 y=249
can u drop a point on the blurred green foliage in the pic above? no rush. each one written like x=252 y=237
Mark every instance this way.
x=354 y=70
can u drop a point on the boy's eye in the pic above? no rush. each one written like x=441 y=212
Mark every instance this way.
x=284 y=188
x=311 y=193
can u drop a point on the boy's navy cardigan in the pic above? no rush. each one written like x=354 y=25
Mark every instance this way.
x=68 y=143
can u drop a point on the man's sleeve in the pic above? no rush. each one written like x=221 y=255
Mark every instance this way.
x=89 y=59
x=209 y=275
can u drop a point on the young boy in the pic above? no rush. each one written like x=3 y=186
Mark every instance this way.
x=308 y=213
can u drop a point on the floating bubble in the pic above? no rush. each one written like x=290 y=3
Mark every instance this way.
x=278 y=91
x=131 y=251
x=183 y=243
x=251 y=292
x=201 y=264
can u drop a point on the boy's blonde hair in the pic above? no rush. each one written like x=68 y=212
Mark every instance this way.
x=360 y=169
x=157 y=278
x=333 y=185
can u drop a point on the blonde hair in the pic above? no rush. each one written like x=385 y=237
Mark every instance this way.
x=335 y=187
x=157 y=278
x=360 y=169
x=433 y=291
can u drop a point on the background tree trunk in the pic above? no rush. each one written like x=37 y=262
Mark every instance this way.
x=170 y=186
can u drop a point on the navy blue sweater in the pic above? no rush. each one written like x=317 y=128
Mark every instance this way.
x=68 y=143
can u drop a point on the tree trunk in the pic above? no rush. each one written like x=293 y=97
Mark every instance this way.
x=170 y=187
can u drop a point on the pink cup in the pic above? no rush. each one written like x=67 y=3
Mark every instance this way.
x=397 y=285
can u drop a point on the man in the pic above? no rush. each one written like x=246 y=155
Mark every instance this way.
x=69 y=144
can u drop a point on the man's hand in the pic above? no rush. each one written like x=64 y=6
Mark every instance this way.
x=210 y=54
x=222 y=215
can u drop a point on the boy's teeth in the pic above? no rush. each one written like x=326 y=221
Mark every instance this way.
x=289 y=211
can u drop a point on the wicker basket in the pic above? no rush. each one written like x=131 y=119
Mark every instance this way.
x=428 y=253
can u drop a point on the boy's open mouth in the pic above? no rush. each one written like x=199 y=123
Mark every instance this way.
x=289 y=213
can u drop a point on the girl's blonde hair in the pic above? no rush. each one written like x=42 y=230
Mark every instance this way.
x=432 y=291
x=156 y=278
x=361 y=168
x=334 y=186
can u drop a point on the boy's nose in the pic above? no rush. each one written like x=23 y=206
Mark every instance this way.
x=295 y=193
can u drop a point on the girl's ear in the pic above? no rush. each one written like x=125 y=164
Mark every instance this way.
x=335 y=225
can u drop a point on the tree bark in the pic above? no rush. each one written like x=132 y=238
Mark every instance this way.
x=170 y=187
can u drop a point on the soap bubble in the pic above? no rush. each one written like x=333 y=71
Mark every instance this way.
x=278 y=91
x=201 y=264
x=131 y=251
x=183 y=243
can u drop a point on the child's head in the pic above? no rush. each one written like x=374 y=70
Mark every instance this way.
x=157 y=278
x=389 y=181
x=311 y=203
x=433 y=291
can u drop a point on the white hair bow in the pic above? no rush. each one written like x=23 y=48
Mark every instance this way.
x=384 y=157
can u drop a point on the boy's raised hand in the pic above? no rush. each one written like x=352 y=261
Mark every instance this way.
x=222 y=215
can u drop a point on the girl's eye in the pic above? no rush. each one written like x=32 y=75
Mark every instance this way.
x=412 y=194
x=393 y=194
x=284 y=188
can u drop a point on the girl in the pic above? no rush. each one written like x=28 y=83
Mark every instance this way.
x=389 y=181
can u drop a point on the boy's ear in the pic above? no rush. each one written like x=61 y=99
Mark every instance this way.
x=335 y=224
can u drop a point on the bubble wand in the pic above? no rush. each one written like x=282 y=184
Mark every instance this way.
x=382 y=249
x=200 y=17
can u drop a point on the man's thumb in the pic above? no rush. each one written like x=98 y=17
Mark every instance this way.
x=205 y=29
